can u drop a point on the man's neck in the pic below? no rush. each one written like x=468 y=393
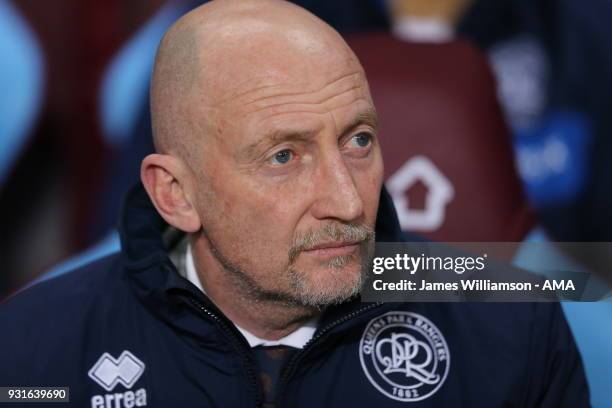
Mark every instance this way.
x=267 y=319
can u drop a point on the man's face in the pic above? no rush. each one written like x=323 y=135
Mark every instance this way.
x=289 y=185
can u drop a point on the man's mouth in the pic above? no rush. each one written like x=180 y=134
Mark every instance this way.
x=333 y=249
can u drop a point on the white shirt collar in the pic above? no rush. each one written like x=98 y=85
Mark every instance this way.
x=297 y=339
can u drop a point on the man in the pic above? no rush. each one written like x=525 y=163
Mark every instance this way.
x=268 y=164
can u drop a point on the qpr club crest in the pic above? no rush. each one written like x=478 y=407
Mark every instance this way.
x=404 y=356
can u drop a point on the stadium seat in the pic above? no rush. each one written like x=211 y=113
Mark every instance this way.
x=448 y=156
x=22 y=81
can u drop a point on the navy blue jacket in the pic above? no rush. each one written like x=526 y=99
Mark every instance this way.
x=129 y=331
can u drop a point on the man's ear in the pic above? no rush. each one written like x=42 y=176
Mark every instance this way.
x=164 y=178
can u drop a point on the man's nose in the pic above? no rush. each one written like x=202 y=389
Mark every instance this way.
x=336 y=191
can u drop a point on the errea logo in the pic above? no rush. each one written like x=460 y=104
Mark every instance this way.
x=108 y=371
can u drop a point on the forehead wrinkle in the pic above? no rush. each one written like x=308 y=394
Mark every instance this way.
x=312 y=111
x=322 y=88
x=323 y=101
x=372 y=118
x=240 y=94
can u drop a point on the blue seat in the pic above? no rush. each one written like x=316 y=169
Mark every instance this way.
x=591 y=322
x=21 y=82
x=105 y=247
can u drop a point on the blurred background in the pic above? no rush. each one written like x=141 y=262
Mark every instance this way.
x=495 y=119
x=495 y=125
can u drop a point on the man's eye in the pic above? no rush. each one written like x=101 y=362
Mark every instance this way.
x=362 y=139
x=282 y=157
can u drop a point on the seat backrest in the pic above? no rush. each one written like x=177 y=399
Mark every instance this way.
x=22 y=82
x=448 y=156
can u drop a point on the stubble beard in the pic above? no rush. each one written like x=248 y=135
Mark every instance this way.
x=307 y=290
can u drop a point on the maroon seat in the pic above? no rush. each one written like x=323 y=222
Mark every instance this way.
x=448 y=157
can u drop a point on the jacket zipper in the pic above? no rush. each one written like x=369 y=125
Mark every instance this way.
x=293 y=363
x=236 y=344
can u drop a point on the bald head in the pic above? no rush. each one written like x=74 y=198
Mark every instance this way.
x=266 y=144
x=222 y=50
